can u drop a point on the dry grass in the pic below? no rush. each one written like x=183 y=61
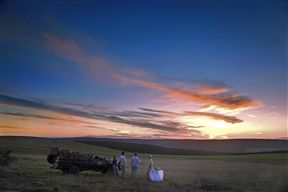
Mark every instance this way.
x=247 y=173
x=31 y=173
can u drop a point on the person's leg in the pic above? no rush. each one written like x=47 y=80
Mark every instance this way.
x=148 y=174
x=122 y=172
x=135 y=172
x=132 y=172
x=114 y=171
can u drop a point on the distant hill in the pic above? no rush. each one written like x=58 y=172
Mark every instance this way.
x=231 y=146
x=158 y=146
x=283 y=138
x=146 y=148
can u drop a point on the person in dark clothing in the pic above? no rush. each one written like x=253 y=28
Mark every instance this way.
x=115 y=166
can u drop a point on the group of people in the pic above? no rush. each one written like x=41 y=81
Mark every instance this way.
x=120 y=165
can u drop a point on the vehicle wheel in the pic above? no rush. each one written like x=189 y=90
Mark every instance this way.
x=74 y=169
x=51 y=158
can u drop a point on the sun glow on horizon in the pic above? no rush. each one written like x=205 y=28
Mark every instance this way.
x=19 y=120
x=221 y=129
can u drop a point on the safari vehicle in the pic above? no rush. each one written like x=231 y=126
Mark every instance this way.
x=74 y=162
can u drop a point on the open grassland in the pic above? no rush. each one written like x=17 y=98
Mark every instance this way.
x=41 y=146
x=261 y=172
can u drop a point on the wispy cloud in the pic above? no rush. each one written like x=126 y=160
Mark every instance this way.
x=49 y=118
x=226 y=118
x=203 y=93
x=132 y=118
x=159 y=111
x=11 y=127
x=134 y=114
x=145 y=124
x=41 y=106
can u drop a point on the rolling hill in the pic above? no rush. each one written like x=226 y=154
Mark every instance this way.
x=156 y=146
x=172 y=146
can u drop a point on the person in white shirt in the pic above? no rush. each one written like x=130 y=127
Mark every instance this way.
x=150 y=166
x=122 y=164
x=150 y=163
x=134 y=162
x=154 y=174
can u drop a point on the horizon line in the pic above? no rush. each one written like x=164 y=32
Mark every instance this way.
x=131 y=138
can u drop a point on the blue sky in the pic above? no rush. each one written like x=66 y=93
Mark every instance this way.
x=240 y=46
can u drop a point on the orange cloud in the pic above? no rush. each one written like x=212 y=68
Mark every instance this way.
x=68 y=118
x=62 y=46
x=204 y=93
x=10 y=127
x=228 y=101
x=211 y=89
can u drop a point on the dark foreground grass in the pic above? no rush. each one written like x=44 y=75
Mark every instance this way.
x=266 y=158
x=258 y=172
x=31 y=173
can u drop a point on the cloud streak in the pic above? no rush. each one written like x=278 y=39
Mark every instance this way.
x=203 y=93
x=143 y=123
x=52 y=119
x=133 y=118
x=226 y=118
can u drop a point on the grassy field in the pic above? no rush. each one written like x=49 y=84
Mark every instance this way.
x=261 y=172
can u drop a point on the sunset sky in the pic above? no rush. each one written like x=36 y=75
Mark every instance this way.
x=144 y=69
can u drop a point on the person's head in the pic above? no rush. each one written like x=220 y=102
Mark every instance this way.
x=122 y=153
x=135 y=154
x=150 y=156
x=114 y=157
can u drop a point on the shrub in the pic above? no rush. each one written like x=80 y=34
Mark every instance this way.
x=6 y=158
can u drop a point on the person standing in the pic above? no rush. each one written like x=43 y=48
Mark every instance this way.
x=150 y=166
x=150 y=163
x=115 y=166
x=134 y=162
x=122 y=164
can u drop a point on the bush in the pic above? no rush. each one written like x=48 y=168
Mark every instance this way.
x=5 y=158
